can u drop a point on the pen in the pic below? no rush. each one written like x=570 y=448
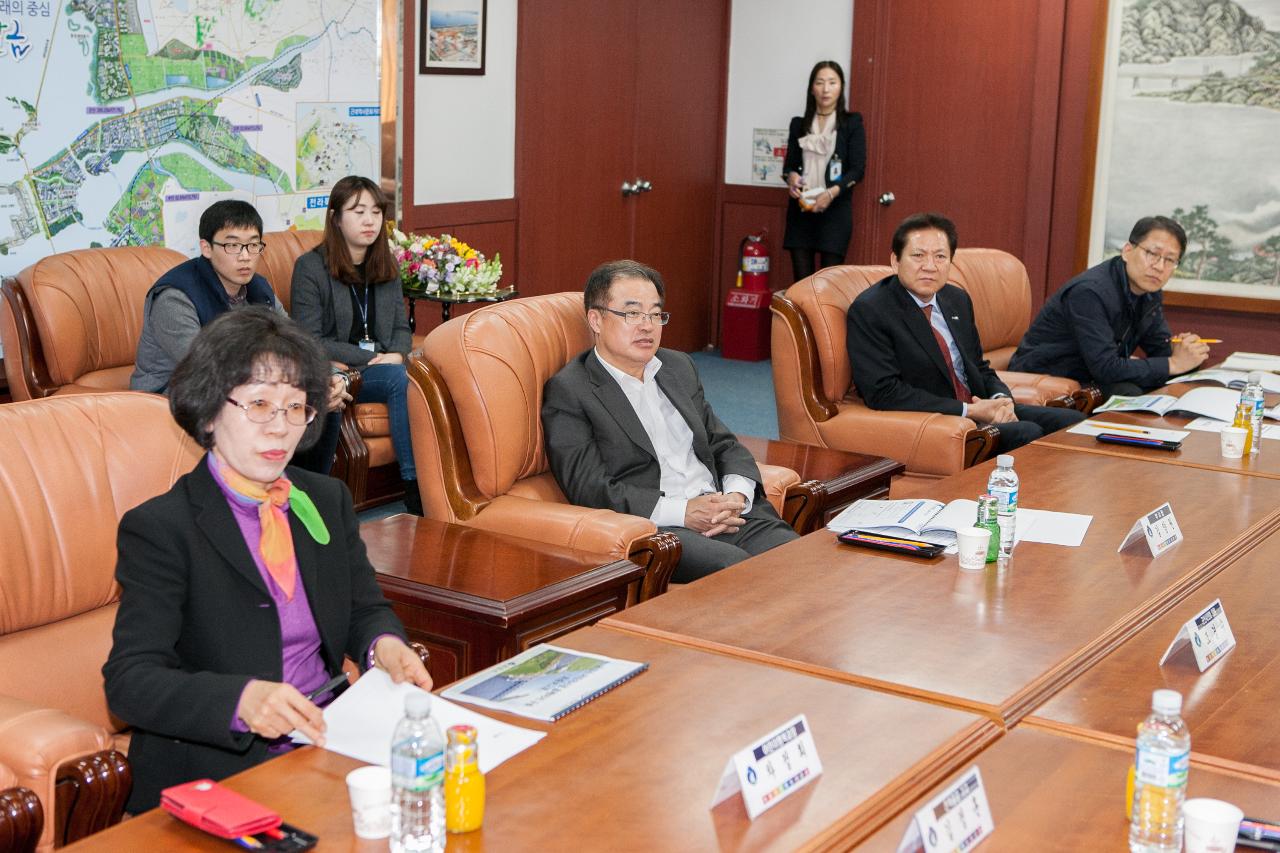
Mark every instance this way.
x=1202 y=340
x=1125 y=429
x=327 y=686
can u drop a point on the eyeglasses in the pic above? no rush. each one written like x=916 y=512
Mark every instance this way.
x=237 y=248
x=263 y=412
x=633 y=318
x=1158 y=260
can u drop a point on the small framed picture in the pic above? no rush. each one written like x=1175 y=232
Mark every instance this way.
x=452 y=36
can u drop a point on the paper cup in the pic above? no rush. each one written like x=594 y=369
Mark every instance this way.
x=1211 y=825
x=1232 y=442
x=972 y=545
x=370 y=790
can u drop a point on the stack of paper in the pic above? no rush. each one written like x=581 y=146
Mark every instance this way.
x=1247 y=361
x=1233 y=379
x=1092 y=427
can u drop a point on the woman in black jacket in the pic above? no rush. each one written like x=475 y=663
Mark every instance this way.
x=826 y=156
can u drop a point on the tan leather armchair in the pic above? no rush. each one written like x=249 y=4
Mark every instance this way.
x=70 y=322
x=812 y=385
x=997 y=283
x=475 y=404
x=21 y=815
x=74 y=465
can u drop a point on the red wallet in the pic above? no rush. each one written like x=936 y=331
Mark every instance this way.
x=217 y=810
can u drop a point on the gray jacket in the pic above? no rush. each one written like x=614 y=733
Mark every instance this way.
x=322 y=305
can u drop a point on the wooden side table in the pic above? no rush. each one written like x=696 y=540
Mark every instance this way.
x=475 y=598
x=447 y=302
x=832 y=479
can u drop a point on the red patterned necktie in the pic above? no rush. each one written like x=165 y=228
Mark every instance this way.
x=962 y=393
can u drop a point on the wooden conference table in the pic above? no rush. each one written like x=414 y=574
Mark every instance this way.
x=995 y=642
x=635 y=769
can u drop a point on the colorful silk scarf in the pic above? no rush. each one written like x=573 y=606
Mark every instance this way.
x=276 y=544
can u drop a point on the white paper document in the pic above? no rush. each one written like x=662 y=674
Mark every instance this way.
x=930 y=521
x=1092 y=427
x=1054 y=528
x=1211 y=425
x=1233 y=379
x=1247 y=361
x=360 y=722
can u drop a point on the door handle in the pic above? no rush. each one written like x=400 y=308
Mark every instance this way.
x=886 y=199
x=630 y=189
x=643 y=186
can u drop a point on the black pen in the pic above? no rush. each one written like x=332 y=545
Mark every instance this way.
x=328 y=685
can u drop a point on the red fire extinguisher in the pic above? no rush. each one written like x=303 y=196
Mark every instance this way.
x=753 y=261
x=744 y=333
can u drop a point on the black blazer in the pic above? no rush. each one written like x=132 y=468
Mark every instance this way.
x=598 y=450
x=322 y=305
x=897 y=363
x=830 y=230
x=196 y=623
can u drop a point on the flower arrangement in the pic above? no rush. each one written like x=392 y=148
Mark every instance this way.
x=443 y=266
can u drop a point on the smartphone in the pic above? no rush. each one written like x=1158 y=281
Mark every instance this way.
x=1138 y=441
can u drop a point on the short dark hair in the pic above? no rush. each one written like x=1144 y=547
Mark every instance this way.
x=596 y=293
x=1147 y=224
x=232 y=350
x=228 y=213
x=923 y=222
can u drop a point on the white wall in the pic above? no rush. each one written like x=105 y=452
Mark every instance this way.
x=773 y=44
x=464 y=143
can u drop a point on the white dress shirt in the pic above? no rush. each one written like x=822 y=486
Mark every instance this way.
x=683 y=476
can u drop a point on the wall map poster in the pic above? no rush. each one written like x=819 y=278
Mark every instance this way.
x=1189 y=127
x=121 y=120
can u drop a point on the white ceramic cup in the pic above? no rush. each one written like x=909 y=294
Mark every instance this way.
x=1211 y=825
x=972 y=547
x=370 y=790
x=1232 y=442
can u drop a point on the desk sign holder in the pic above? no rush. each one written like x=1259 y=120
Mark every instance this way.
x=958 y=819
x=773 y=768
x=1209 y=634
x=1160 y=529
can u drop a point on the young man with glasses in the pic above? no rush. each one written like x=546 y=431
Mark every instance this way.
x=188 y=297
x=627 y=428
x=1090 y=329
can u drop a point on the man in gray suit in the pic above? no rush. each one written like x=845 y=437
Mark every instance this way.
x=627 y=429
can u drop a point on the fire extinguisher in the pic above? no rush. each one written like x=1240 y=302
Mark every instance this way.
x=753 y=261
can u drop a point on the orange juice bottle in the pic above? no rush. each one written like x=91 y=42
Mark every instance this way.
x=463 y=781
x=1244 y=420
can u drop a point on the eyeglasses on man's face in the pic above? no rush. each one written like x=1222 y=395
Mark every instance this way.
x=634 y=318
x=237 y=248
x=1158 y=260
x=264 y=412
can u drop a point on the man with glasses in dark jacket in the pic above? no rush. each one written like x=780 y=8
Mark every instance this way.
x=1092 y=327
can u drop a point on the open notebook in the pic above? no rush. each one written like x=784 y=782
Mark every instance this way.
x=1217 y=403
x=930 y=521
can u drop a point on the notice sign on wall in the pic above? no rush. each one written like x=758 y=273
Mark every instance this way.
x=768 y=148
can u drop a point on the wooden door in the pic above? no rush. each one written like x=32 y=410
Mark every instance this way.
x=575 y=87
x=679 y=82
x=960 y=101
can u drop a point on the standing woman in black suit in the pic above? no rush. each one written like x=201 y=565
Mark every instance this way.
x=826 y=156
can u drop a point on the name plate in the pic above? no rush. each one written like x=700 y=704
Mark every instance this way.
x=958 y=819
x=1159 y=528
x=772 y=769
x=1209 y=634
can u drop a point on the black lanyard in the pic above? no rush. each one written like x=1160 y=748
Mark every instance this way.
x=363 y=305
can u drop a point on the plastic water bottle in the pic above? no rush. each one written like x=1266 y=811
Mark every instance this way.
x=1160 y=777
x=417 y=780
x=1254 y=396
x=1004 y=485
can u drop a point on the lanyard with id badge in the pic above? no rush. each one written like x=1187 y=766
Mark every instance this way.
x=366 y=343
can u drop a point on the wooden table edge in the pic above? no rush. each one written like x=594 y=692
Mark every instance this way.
x=956 y=703
x=523 y=606
x=1163 y=458
x=1239 y=769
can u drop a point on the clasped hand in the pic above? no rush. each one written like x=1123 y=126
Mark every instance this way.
x=273 y=709
x=715 y=513
x=998 y=410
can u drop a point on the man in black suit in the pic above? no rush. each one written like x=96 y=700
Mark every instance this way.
x=913 y=345
x=627 y=429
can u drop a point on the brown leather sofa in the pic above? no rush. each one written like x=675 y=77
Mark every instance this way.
x=73 y=465
x=21 y=815
x=70 y=323
x=475 y=405
x=813 y=381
